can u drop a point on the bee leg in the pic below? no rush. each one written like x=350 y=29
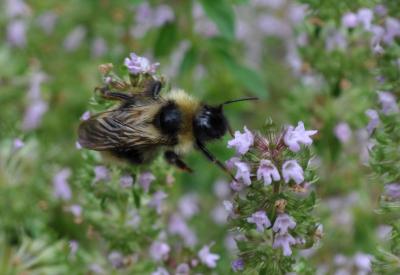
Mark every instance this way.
x=174 y=159
x=213 y=159
x=154 y=89
x=107 y=94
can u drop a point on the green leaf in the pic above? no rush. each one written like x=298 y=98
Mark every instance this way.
x=166 y=40
x=189 y=60
x=247 y=77
x=136 y=198
x=222 y=14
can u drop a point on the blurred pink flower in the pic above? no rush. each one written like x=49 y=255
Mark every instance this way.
x=74 y=38
x=16 y=33
x=292 y=170
x=282 y=223
x=388 y=102
x=260 y=219
x=116 y=259
x=101 y=173
x=208 y=258
x=294 y=137
x=18 y=144
x=61 y=189
x=157 y=200
x=267 y=172
x=15 y=8
x=99 y=47
x=160 y=271
x=47 y=21
x=284 y=241
x=237 y=265
x=242 y=142
x=349 y=20
x=365 y=17
x=126 y=181
x=188 y=205
x=182 y=269
x=392 y=190
x=85 y=116
x=178 y=226
x=33 y=114
x=343 y=132
x=75 y=210
x=73 y=247
x=373 y=120
x=221 y=189
x=159 y=251
x=145 y=179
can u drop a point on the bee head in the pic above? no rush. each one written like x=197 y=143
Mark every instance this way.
x=210 y=123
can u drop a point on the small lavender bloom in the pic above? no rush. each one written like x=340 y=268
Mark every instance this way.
x=101 y=173
x=267 y=172
x=365 y=17
x=297 y=13
x=157 y=200
x=99 y=47
x=96 y=269
x=16 y=33
x=292 y=170
x=182 y=269
x=343 y=132
x=74 y=39
x=202 y=24
x=85 y=116
x=76 y=210
x=260 y=219
x=126 y=181
x=188 y=205
x=237 y=265
x=219 y=215
x=78 y=145
x=116 y=259
x=208 y=258
x=392 y=30
x=392 y=190
x=137 y=65
x=134 y=220
x=61 y=186
x=159 y=251
x=230 y=163
x=33 y=114
x=388 y=102
x=243 y=172
x=378 y=49
x=18 y=144
x=47 y=21
x=145 y=179
x=228 y=206
x=35 y=82
x=363 y=262
x=163 y=14
x=178 y=226
x=380 y=10
x=335 y=40
x=15 y=8
x=73 y=247
x=296 y=136
x=282 y=223
x=373 y=120
x=242 y=142
x=237 y=186
x=221 y=189
x=160 y=271
x=284 y=241
x=349 y=20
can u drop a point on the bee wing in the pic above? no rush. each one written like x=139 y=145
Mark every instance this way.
x=129 y=127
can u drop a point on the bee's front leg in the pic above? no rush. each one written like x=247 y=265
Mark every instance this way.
x=106 y=93
x=172 y=158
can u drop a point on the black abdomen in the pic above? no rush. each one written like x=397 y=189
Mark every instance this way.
x=169 y=119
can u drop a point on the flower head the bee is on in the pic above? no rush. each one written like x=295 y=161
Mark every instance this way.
x=138 y=65
x=267 y=172
x=294 y=137
x=242 y=142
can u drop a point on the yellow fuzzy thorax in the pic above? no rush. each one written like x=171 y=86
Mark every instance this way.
x=189 y=106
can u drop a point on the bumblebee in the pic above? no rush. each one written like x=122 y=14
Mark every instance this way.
x=144 y=123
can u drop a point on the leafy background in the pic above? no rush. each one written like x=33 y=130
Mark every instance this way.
x=288 y=53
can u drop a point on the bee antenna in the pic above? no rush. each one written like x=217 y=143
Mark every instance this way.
x=240 y=99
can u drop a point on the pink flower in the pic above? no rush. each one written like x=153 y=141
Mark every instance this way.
x=160 y=271
x=237 y=265
x=18 y=144
x=126 y=181
x=157 y=200
x=292 y=170
x=33 y=114
x=74 y=38
x=76 y=210
x=159 y=251
x=116 y=259
x=260 y=219
x=61 y=186
x=282 y=223
x=208 y=258
x=242 y=142
x=392 y=190
x=243 y=172
x=73 y=247
x=373 y=120
x=101 y=173
x=182 y=269
x=99 y=47
x=85 y=116
x=350 y=20
x=230 y=163
x=137 y=65
x=365 y=16
x=388 y=102
x=296 y=136
x=16 y=33
x=284 y=241
x=145 y=179
x=188 y=205
x=268 y=172
x=178 y=226
x=343 y=132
